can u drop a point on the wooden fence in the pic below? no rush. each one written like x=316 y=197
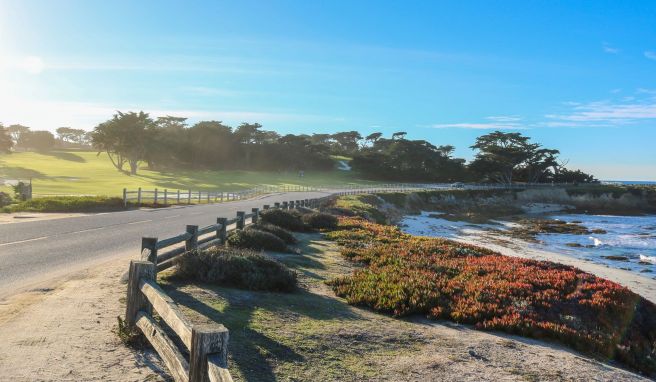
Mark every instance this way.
x=165 y=197
x=207 y=344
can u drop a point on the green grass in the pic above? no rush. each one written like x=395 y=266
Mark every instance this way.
x=68 y=204
x=85 y=173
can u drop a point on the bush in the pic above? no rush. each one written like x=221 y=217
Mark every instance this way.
x=238 y=268
x=5 y=199
x=320 y=220
x=69 y=204
x=290 y=220
x=257 y=240
x=443 y=279
x=282 y=233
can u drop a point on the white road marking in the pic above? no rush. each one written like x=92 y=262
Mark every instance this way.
x=171 y=217
x=88 y=230
x=139 y=222
x=24 y=241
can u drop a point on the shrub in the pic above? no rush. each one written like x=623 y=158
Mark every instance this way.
x=290 y=220
x=256 y=239
x=70 y=204
x=238 y=268
x=5 y=199
x=443 y=279
x=320 y=220
x=282 y=233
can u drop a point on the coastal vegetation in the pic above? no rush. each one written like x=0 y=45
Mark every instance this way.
x=404 y=275
x=255 y=239
x=237 y=268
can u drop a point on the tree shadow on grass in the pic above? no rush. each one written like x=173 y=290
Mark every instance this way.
x=63 y=155
x=21 y=173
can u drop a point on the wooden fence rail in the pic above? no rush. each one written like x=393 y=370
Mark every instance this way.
x=166 y=197
x=207 y=344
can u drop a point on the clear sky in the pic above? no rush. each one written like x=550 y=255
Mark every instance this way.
x=579 y=76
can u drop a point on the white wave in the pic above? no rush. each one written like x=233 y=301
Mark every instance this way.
x=648 y=259
x=597 y=242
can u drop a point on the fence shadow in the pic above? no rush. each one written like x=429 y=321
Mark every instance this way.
x=253 y=350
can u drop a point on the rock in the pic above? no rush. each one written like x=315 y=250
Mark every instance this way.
x=574 y=245
x=616 y=258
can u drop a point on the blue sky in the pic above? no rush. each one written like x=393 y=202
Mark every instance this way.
x=579 y=76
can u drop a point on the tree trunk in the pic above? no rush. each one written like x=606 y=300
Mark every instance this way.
x=133 y=167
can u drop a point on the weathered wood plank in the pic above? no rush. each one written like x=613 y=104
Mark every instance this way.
x=174 y=360
x=166 y=308
x=208 y=229
x=217 y=370
x=174 y=240
x=206 y=340
x=170 y=254
x=136 y=301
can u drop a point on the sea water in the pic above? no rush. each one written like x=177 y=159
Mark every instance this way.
x=629 y=242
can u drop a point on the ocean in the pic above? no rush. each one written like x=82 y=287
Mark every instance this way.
x=629 y=242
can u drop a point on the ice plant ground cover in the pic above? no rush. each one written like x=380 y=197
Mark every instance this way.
x=404 y=275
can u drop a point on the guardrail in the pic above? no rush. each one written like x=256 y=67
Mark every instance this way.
x=207 y=344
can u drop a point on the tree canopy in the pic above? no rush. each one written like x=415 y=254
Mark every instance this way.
x=131 y=138
x=6 y=143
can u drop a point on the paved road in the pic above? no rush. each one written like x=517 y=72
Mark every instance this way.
x=35 y=251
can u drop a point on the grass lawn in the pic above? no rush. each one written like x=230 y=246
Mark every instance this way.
x=85 y=173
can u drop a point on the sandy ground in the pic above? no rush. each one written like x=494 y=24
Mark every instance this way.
x=64 y=332
x=644 y=286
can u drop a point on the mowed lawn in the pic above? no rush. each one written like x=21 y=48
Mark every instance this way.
x=85 y=173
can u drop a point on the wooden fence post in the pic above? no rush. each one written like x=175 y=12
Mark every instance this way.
x=256 y=214
x=125 y=197
x=276 y=205
x=178 y=197
x=189 y=197
x=136 y=301
x=206 y=340
x=285 y=205
x=240 y=219
x=192 y=242
x=155 y=197
x=208 y=197
x=306 y=202
x=266 y=207
x=199 y=196
x=221 y=233
x=149 y=249
x=139 y=197
x=166 y=196
x=291 y=204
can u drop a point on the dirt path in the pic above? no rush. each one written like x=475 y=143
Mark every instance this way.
x=65 y=333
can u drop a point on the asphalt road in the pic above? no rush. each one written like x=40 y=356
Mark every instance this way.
x=32 y=252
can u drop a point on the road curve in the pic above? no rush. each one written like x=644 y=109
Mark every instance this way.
x=32 y=252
